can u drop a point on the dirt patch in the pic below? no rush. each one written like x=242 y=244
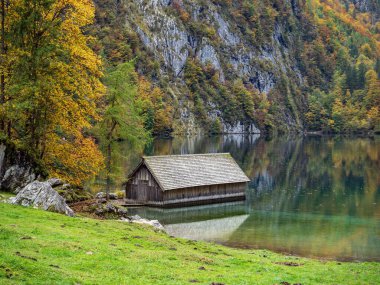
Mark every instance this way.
x=100 y=209
x=24 y=256
x=289 y=263
x=86 y=207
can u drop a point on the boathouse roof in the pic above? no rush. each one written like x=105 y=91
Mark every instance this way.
x=183 y=171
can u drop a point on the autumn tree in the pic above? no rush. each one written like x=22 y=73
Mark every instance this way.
x=52 y=84
x=158 y=113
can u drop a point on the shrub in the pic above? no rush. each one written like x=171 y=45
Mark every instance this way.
x=120 y=194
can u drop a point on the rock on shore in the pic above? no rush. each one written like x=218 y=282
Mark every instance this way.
x=138 y=220
x=41 y=195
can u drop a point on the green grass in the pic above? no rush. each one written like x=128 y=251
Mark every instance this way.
x=5 y=195
x=39 y=247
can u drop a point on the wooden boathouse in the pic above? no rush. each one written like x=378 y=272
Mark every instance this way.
x=178 y=180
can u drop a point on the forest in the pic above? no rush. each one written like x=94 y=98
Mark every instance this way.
x=76 y=77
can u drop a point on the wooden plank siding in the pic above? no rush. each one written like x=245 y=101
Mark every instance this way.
x=179 y=180
x=207 y=190
x=205 y=194
x=143 y=187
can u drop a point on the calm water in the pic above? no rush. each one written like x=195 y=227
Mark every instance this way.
x=313 y=196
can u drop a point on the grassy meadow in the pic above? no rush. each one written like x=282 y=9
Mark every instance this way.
x=40 y=247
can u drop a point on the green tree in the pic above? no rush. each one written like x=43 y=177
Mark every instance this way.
x=122 y=119
x=372 y=97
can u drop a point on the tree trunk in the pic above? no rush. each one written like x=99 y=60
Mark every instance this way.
x=108 y=159
x=108 y=170
x=2 y=77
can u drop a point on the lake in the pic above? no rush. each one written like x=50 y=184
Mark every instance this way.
x=314 y=196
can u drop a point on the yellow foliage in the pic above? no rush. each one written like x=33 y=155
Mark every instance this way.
x=54 y=86
x=74 y=161
x=157 y=110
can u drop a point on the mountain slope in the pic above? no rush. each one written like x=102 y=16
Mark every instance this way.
x=237 y=65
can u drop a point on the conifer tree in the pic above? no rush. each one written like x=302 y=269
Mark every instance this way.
x=122 y=119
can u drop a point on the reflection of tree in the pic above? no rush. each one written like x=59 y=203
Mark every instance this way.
x=313 y=174
x=320 y=174
x=313 y=195
x=125 y=158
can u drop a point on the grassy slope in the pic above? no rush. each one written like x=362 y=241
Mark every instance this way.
x=38 y=247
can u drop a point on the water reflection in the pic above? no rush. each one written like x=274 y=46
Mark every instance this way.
x=313 y=196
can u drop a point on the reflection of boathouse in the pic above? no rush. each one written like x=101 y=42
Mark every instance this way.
x=176 y=180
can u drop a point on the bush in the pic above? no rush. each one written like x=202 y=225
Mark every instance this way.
x=120 y=194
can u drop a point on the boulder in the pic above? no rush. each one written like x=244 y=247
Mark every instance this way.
x=17 y=168
x=113 y=196
x=16 y=177
x=102 y=195
x=71 y=193
x=41 y=195
x=109 y=210
x=55 y=182
x=138 y=220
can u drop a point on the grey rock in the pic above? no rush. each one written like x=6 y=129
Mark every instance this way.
x=240 y=128
x=55 y=182
x=365 y=5
x=102 y=195
x=109 y=208
x=17 y=177
x=122 y=211
x=41 y=195
x=138 y=220
x=135 y=218
x=113 y=196
x=17 y=169
x=164 y=35
x=224 y=31
x=102 y=201
x=208 y=55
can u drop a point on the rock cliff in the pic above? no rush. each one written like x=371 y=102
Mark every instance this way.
x=198 y=52
x=222 y=46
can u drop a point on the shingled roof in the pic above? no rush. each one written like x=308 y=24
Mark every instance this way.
x=182 y=171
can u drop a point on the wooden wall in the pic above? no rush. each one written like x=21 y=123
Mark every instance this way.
x=143 y=187
x=202 y=191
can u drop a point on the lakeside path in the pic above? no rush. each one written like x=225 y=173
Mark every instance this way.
x=39 y=247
